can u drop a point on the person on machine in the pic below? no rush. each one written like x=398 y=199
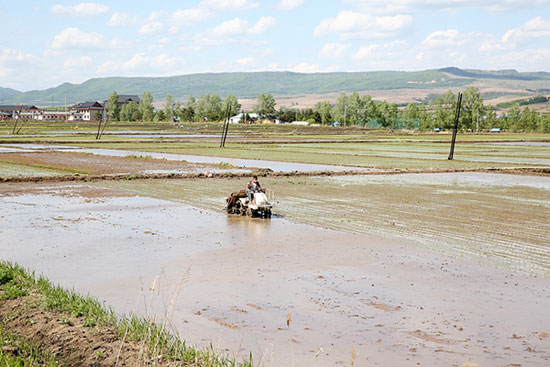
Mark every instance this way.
x=252 y=187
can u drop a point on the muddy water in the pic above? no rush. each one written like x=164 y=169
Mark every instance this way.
x=236 y=282
x=245 y=163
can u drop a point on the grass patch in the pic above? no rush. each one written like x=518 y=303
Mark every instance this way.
x=17 y=352
x=154 y=336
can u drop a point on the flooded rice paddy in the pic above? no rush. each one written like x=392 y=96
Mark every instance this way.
x=237 y=162
x=406 y=276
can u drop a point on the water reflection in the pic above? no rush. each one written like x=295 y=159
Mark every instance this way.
x=255 y=228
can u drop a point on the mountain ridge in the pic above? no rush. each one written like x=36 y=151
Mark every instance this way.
x=250 y=84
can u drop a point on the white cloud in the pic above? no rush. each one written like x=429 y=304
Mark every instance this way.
x=533 y=29
x=150 y=28
x=191 y=16
x=410 y=6
x=289 y=4
x=309 y=68
x=81 y=10
x=263 y=25
x=234 y=5
x=366 y=52
x=11 y=59
x=246 y=61
x=139 y=63
x=123 y=20
x=238 y=26
x=535 y=58
x=231 y=27
x=73 y=38
x=355 y=25
x=333 y=50
x=77 y=62
x=443 y=39
x=207 y=9
x=390 y=55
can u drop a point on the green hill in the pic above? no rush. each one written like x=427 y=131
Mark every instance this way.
x=249 y=85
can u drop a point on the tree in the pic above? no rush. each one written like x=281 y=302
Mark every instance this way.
x=472 y=108
x=209 y=106
x=113 y=110
x=528 y=120
x=512 y=118
x=384 y=112
x=233 y=102
x=188 y=112
x=178 y=111
x=169 y=108
x=354 y=107
x=443 y=108
x=323 y=108
x=411 y=116
x=266 y=105
x=129 y=112
x=286 y=115
x=370 y=110
x=159 y=116
x=339 y=111
x=146 y=107
x=392 y=113
x=544 y=123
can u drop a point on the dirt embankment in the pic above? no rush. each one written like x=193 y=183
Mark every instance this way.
x=94 y=164
x=67 y=338
x=260 y=172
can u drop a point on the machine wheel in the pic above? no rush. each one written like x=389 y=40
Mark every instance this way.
x=268 y=214
x=249 y=212
x=240 y=209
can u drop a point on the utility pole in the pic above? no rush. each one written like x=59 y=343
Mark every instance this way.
x=455 y=129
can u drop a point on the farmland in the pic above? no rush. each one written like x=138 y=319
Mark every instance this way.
x=379 y=244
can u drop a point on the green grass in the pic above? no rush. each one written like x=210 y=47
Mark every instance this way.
x=17 y=352
x=154 y=336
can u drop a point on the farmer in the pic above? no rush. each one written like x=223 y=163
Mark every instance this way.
x=252 y=187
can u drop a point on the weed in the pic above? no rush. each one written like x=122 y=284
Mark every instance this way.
x=154 y=336
x=17 y=352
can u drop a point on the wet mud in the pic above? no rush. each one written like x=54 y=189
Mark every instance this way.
x=291 y=294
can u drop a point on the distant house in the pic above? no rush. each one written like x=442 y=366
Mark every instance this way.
x=87 y=111
x=5 y=116
x=124 y=99
x=54 y=115
x=237 y=118
x=19 y=112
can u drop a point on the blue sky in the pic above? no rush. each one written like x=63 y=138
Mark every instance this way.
x=46 y=43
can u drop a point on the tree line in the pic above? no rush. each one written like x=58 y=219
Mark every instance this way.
x=348 y=110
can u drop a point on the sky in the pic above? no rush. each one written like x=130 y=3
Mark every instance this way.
x=46 y=43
